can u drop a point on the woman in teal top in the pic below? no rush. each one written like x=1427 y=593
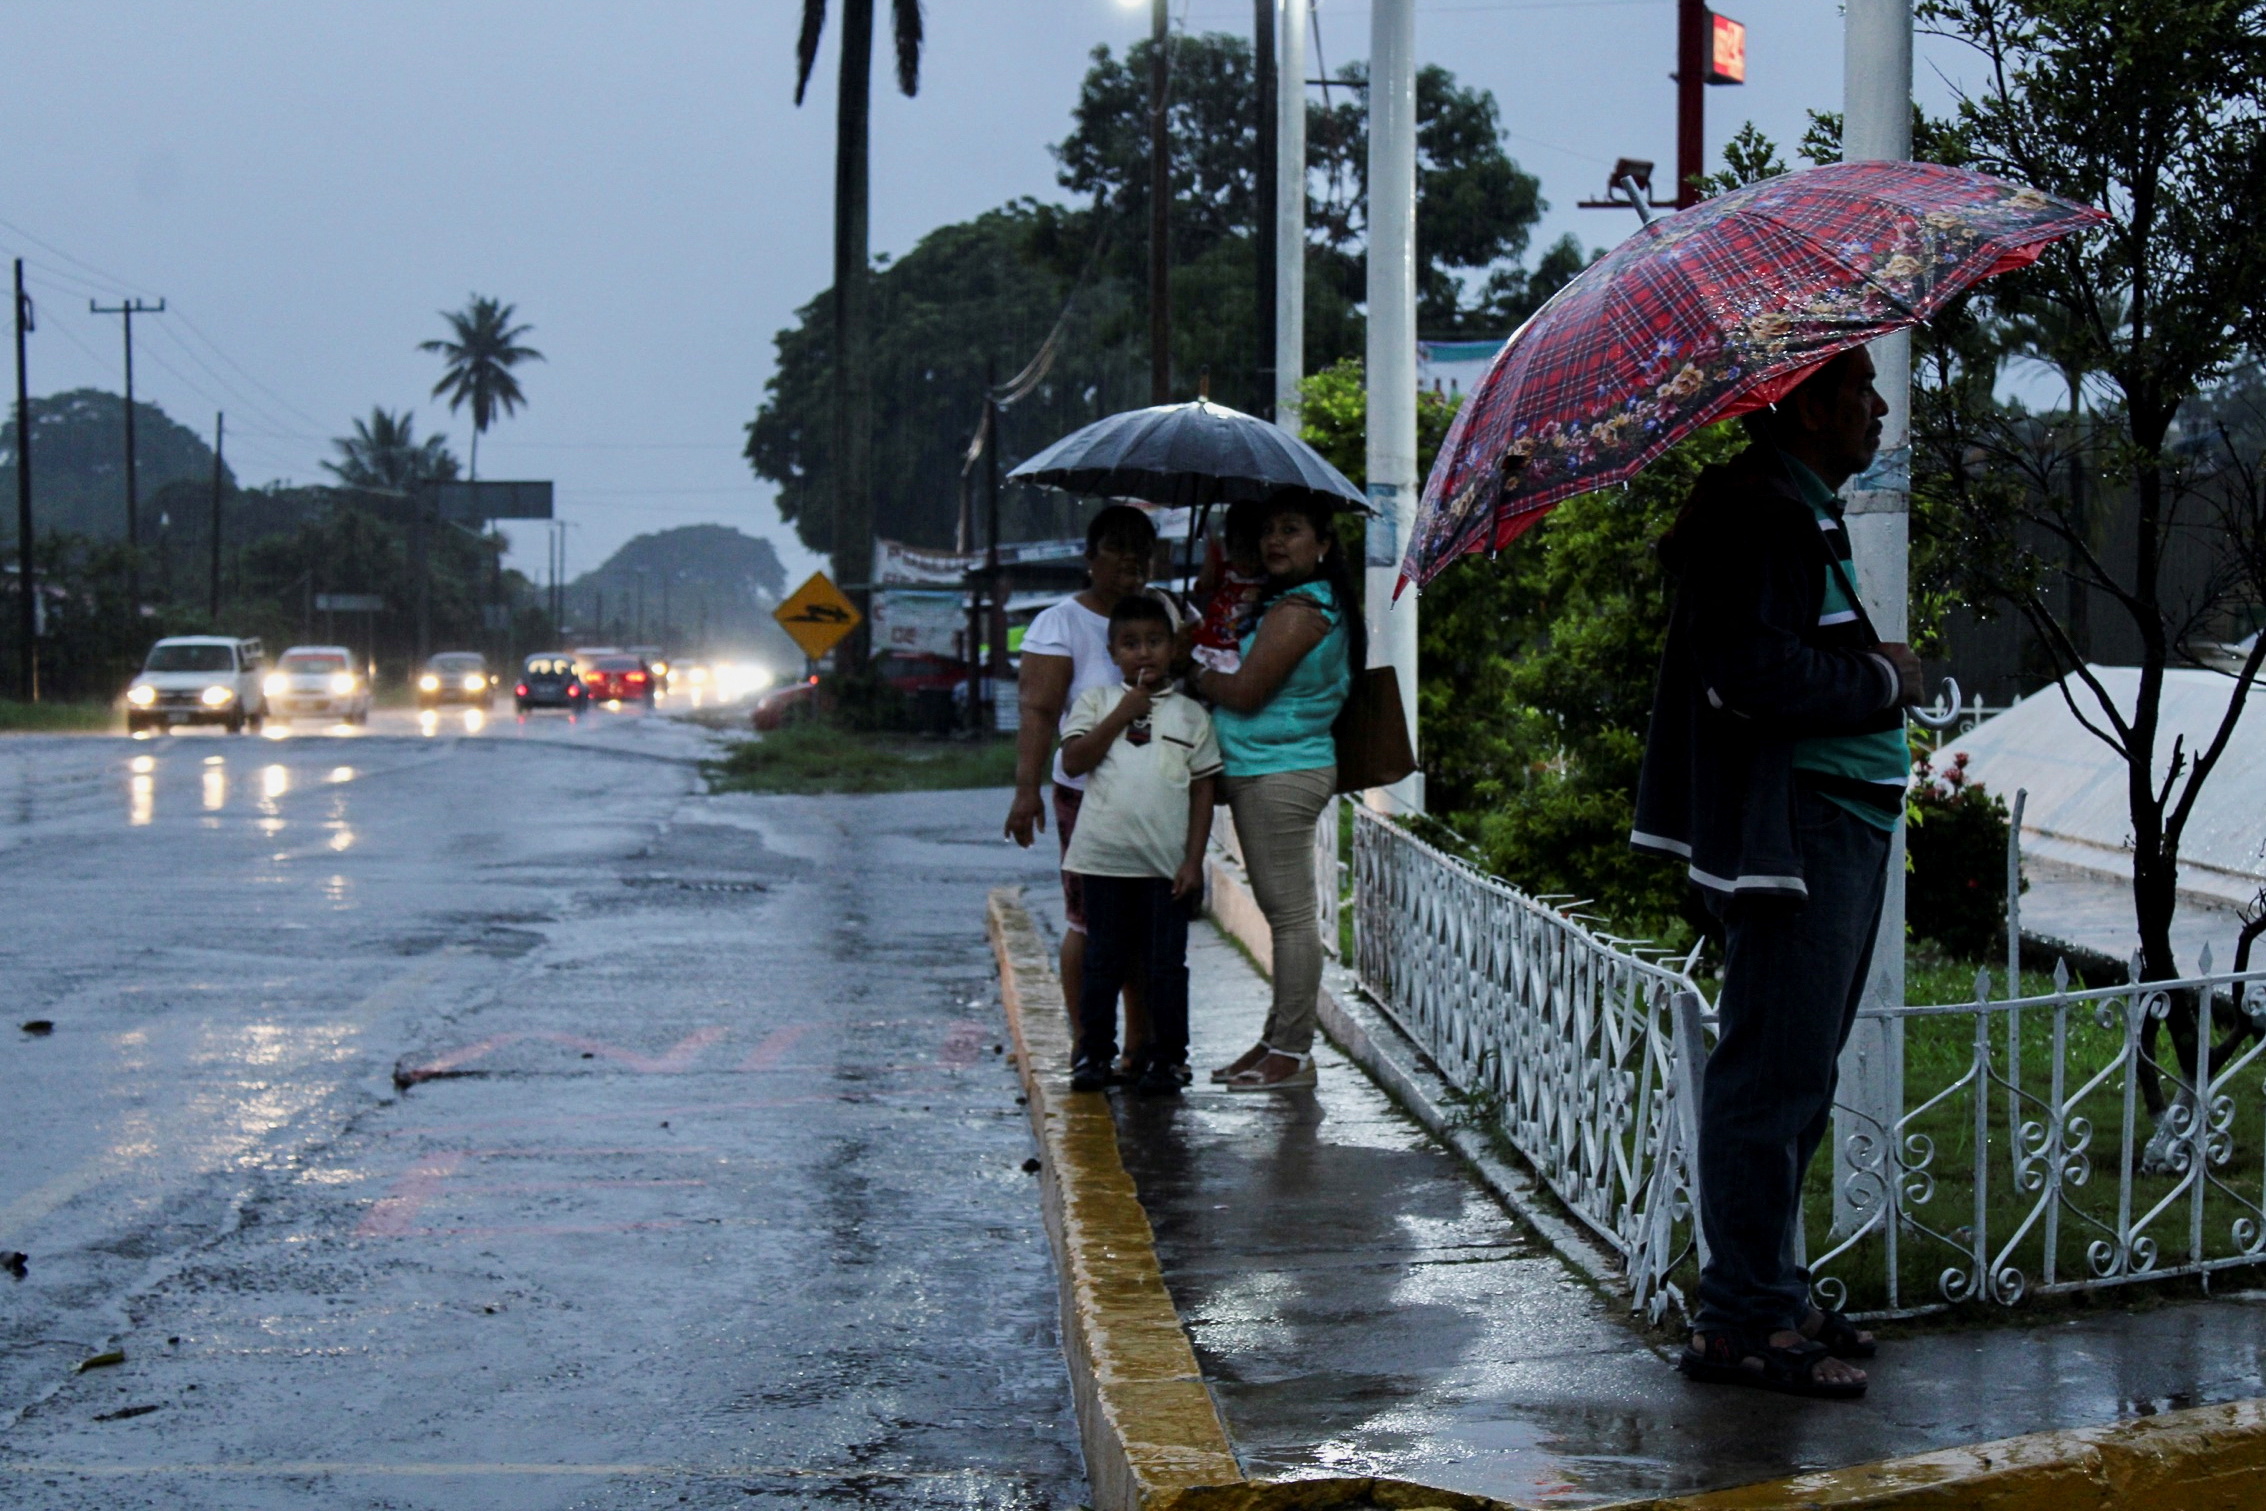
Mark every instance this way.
x=1273 y=715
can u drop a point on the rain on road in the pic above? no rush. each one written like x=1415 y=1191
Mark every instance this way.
x=485 y=1118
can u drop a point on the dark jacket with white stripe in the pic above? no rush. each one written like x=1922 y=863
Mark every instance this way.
x=1747 y=671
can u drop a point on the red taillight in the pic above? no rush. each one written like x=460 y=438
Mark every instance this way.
x=521 y=689
x=574 y=690
x=634 y=676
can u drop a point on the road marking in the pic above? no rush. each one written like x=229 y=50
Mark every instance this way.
x=394 y=1212
x=19 y=1217
x=295 y=1468
x=676 y=1061
x=773 y=1049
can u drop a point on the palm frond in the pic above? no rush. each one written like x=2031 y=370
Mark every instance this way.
x=907 y=16
x=806 y=45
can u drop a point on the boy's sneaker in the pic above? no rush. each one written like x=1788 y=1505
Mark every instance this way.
x=1158 y=1080
x=1089 y=1075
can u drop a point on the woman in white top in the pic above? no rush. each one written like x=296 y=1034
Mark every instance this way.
x=1065 y=652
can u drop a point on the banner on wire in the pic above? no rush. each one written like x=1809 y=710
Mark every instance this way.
x=911 y=622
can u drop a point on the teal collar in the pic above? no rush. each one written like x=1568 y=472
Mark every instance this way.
x=1813 y=489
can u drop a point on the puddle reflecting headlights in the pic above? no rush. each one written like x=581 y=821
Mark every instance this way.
x=141 y=695
x=276 y=686
x=341 y=684
x=217 y=696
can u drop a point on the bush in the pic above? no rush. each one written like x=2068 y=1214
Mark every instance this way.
x=1955 y=841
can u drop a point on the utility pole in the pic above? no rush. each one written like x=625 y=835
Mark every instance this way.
x=126 y=310
x=27 y=592
x=1692 y=28
x=1290 y=213
x=219 y=440
x=1392 y=359
x=998 y=606
x=1268 y=181
x=1160 y=207
x=1877 y=125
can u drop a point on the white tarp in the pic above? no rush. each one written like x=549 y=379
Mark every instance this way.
x=2077 y=813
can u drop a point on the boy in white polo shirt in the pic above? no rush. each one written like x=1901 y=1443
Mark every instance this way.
x=1139 y=846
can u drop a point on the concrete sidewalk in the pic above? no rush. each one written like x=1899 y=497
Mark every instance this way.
x=1361 y=1304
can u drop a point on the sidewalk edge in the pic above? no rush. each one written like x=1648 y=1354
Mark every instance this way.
x=1147 y=1424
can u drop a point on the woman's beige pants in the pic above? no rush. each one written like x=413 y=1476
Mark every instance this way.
x=1274 y=822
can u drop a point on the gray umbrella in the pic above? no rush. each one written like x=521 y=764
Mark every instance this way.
x=1190 y=455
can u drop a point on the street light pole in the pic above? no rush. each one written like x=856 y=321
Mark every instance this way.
x=1290 y=213
x=1877 y=125
x=1160 y=207
x=1269 y=185
x=26 y=585
x=1391 y=456
x=1691 y=98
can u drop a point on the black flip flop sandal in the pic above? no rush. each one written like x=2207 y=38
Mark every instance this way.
x=1788 y=1370
x=1842 y=1338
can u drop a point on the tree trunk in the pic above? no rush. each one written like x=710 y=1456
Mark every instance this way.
x=2155 y=857
x=853 y=378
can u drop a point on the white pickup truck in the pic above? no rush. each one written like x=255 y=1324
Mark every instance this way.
x=199 y=679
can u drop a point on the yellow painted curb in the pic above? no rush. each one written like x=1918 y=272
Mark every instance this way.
x=2208 y=1458
x=1147 y=1424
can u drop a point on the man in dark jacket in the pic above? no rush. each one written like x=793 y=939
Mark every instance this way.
x=1775 y=769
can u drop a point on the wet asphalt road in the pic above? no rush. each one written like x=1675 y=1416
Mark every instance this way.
x=439 y=1118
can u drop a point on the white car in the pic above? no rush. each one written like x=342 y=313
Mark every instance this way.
x=199 y=679
x=318 y=682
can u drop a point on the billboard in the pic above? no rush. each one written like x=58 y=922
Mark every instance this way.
x=1727 y=62
x=477 y=501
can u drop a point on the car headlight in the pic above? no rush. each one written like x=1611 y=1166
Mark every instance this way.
x=428 y=683
x=141 y=695
x=475 y=683
x=216 y=696
x=276 y=686
x=660 y=668
x=341 y=684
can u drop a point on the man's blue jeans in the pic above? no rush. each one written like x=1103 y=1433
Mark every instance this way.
x=1793 y=975
x=1135 y=930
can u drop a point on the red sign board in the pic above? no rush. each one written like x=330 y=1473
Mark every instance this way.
x=1728 y=63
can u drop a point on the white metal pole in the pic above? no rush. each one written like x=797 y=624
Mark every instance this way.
x=1290 y=211
x=1877 y=125
x=1392 y=357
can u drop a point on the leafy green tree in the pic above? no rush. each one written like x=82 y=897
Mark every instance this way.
x=78 y=461
x=2148 y=109
x=481 y=349
x=384 y=455
x=1475 y=208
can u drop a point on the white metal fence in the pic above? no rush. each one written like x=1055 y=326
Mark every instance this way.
x=1561 y=1039
x=2024 y=1160
x=2019 y=1160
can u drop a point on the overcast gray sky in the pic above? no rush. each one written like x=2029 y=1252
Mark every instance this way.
x=309 y=181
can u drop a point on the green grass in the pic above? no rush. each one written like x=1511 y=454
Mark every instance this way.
x=818 y=758
x=55 y=718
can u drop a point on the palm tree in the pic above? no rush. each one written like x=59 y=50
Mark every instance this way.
x=852 y=427
x=385 y=456
x=480 y=359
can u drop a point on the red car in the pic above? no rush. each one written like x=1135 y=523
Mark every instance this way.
x=775 y=707
x=618 y=679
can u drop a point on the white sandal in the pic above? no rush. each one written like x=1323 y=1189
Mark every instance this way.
x=1298 y=1080
x=1221 y=1074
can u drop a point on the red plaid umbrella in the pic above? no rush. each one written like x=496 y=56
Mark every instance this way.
x=1708 y=313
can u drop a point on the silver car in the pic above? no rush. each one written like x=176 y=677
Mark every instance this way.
x=318 y=682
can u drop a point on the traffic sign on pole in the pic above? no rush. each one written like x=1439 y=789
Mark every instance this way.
x=817 y=616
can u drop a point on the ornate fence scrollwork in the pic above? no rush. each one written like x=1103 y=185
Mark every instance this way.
x=1560 y=1039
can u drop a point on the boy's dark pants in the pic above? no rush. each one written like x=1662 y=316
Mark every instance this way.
x=1135 y=930
x=1793 y=975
